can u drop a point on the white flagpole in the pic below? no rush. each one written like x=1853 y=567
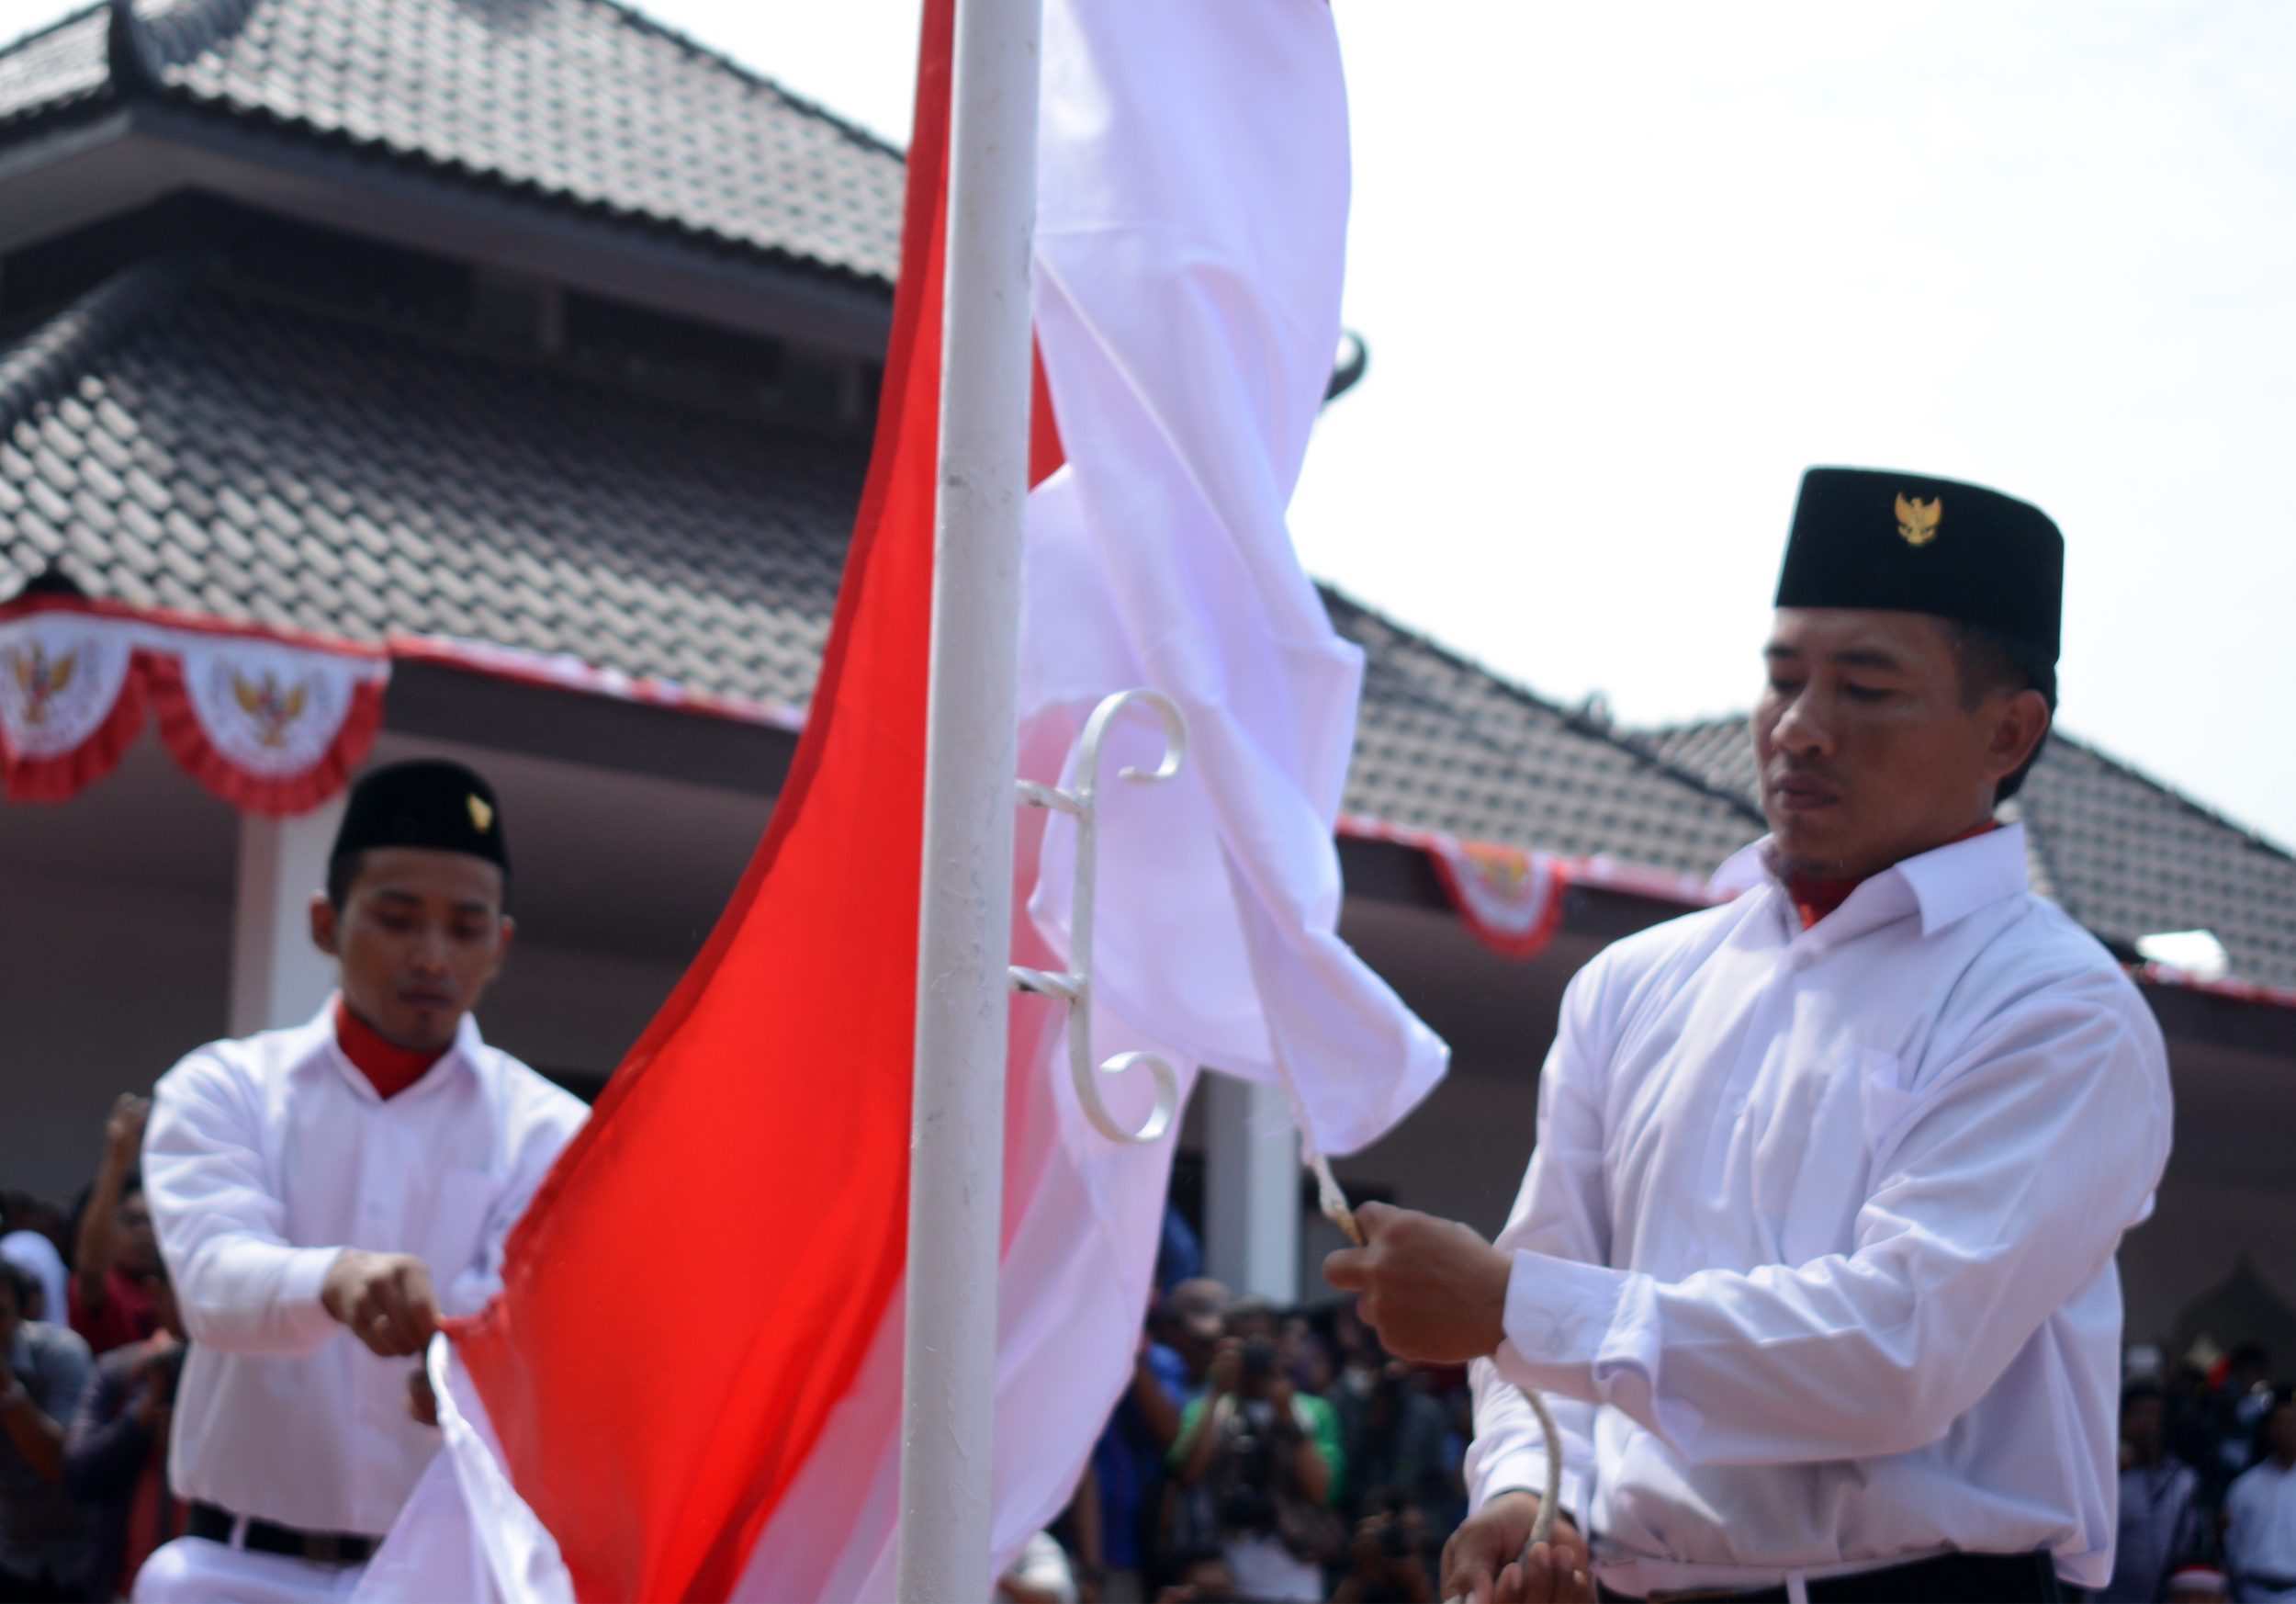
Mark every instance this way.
x=956 y=1143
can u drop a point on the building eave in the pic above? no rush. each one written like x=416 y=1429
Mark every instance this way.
x=66 y=171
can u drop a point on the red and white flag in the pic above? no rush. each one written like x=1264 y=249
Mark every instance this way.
x=734 y=1433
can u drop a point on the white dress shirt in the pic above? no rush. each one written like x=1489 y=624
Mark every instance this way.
x=1816 y=1247
x=264 y=1159
x=2260 y=1533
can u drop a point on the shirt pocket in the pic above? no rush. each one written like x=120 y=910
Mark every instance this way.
x=1887 y=1101
x=460 y=1206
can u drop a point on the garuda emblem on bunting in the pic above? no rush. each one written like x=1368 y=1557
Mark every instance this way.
x=270 y=727
x=59 y=680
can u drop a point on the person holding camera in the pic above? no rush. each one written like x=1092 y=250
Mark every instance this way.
x=1262 y=1460
x=43 y=1531
x=114 y=1457
x=1388 y=1560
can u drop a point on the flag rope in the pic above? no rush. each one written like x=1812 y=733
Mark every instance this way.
x=1332 y=1200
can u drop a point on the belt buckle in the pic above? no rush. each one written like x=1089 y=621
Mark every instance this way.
x=322 y=1547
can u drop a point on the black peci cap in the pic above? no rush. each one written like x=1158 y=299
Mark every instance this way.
x=429 y=803
x=1907 y=544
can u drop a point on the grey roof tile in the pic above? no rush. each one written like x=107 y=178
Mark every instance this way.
x=583 y=102
x=1441 y=744
x=55 y=67
x=717 y=531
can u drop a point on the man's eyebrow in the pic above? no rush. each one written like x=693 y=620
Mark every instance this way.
x=1779 y=649
x=393 y=894
x=1867 y=657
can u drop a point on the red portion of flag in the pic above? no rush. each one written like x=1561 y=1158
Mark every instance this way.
x=1046 y=454
x=695 y=1284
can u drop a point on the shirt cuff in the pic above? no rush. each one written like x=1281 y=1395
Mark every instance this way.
x=1524 y=1470
x=300 y=1283
x=1571 y=1325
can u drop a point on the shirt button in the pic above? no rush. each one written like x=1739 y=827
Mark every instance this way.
x=1556 y=1345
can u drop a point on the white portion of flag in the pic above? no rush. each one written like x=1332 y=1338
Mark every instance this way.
x=1193 y=197
x=1192 y=175
x=464 y=1532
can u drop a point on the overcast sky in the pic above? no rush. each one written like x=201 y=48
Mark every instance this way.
x=1626 y=270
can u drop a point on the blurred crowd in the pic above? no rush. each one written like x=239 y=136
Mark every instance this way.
x=94 y=1348
x=2208 y=1480
x=1259 y=1452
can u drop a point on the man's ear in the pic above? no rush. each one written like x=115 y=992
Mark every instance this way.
x=2017 y=731
x=323 y=925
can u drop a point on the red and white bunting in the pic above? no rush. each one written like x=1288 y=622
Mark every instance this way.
x=1510 y=900
x=270 y=725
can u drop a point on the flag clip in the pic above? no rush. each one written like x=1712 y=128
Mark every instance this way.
x=1074 y=987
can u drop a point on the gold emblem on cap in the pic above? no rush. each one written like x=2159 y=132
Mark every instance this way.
x=482 y=815
x=1917 y=519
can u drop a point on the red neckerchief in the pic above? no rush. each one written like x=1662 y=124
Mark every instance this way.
x=390 y=1068
x=1813 y=898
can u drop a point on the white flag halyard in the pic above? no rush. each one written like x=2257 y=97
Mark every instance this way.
x=1192 y=201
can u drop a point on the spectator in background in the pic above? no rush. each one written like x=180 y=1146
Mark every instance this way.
x=1388 y=1559
x=1201 y=1575
x=1038 y=1575
x=1395 y=1434
x=116 y=1253
x=2198 y=1584
x=43 y=1532
x=37 y=1256
x=1195 y=1319
x=21 y=1211
x=114 y=1457
x=1260 y=1464
x=1123 y=1493
x=2161 y=1522
x=2260 y=1511
x=2235 y=1409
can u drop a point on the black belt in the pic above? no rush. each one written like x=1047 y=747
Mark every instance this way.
x=327 y=1548
x=1950 y=1579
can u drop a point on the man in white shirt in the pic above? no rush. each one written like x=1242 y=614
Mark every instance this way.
x=1815 y=1254
x=2260 y=1512
x=359 y=1171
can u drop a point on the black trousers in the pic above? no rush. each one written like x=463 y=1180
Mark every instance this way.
x=1950 y=1579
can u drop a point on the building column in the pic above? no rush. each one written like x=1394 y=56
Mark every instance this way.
x=1250 y=1188
x=278 y=978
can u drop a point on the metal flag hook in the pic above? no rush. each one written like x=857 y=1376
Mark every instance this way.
x=1074 y=987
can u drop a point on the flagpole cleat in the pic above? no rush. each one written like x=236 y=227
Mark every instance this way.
x=1074 y=987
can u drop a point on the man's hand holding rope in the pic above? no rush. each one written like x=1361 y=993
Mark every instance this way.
x=1436 y=1292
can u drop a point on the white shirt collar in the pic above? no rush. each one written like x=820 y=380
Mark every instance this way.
x=1943 y=884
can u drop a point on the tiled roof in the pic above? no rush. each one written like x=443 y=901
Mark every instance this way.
x=233 y=456
x=174 y=442
x=1443 y=744
x=2121 y=853
x=580 y=101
